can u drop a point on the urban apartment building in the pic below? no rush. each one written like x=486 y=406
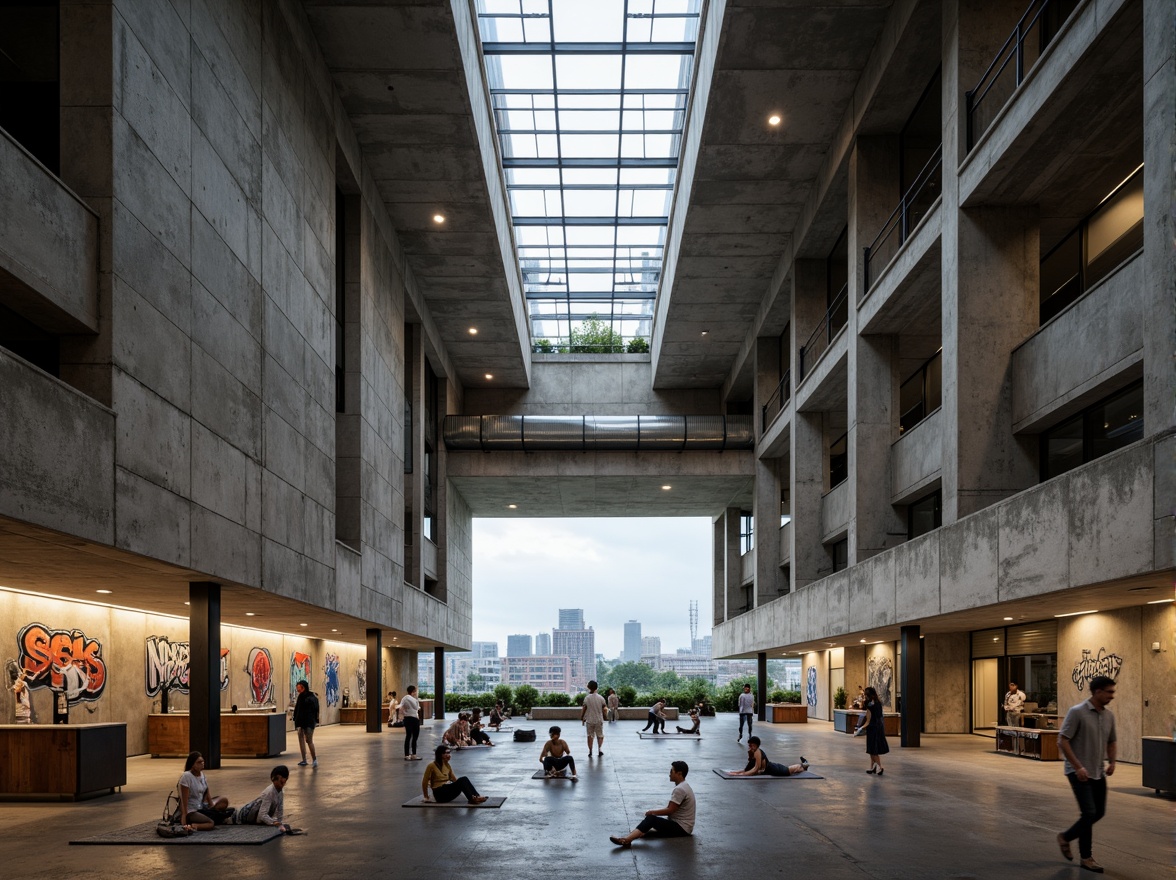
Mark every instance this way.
x=290 y=292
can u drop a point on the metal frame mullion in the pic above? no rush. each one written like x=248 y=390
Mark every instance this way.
x=560 y=165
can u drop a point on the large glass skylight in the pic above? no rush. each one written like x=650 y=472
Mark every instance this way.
x=589 y=100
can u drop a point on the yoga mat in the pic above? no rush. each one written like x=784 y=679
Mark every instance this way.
x=542 y=774
x=222 y=835
x=459 y=801
x=726 y=774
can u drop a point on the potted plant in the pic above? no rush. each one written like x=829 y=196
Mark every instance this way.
x=840 y=697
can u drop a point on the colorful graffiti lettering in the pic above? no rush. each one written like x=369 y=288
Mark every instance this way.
x=331 y=679
x=361 y=680
x=168 y=664
x=811 y=686
x=260 y=669
x=1089 y=667
x=63 y=660
x=299 y=671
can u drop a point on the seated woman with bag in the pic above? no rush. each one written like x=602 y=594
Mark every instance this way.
x=199 y=811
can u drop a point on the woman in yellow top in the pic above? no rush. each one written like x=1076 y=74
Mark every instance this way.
x=442 y=784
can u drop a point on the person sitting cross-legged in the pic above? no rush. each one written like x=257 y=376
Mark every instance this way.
x=557 y=756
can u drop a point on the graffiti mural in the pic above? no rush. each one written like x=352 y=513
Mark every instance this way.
x=880 y=676
x=1089 y=667
x=168 y=664
x=811 y=686
x=299 y=671
x=260 y=669
x=331 y=679
x=64 y=660
x=361 y=680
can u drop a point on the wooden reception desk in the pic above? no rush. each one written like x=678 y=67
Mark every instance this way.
x=62 y=761
x=243 y=735
x=786 y=713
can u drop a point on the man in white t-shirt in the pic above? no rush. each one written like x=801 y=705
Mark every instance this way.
x=675 y=819
x=1014 y=705
x=592 y=716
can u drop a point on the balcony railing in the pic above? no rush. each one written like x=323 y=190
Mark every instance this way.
x=834 y=319
x=775 y=404
x=1020 y=52
x=911 y=207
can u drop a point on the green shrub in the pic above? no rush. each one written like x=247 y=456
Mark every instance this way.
x=525 y=697
x=543 y=346
x=554 y=698
x=595 y=336
x=627 y=694
x=503 y=692
x=638 y=345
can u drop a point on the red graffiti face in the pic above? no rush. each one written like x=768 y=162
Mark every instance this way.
x=260 y=674
x=48 y=655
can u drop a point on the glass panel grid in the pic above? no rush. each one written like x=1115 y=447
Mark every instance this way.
x=589 y=103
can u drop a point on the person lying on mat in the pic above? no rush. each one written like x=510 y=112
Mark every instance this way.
x=269 y=807
x=441 y=784
x=556 y=755
x=458 y=733
x=694 y=720
x=759 y=765
x=199 y=811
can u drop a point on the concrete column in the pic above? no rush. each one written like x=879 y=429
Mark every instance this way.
x=769 y=578
x=414 y=483
x=874 y=525
x=911 y=678
x=375 y=666
x=204 y=671
x=1159 y=221
x=808 y=480
x=761 y=685
x=874 y=192
x=947 y=684
x=719 y=567
x=990 y=290
x=733 y=569
x=439 y=683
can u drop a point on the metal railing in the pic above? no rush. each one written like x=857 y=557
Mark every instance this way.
x=835 y=317
x=775 y=404
x=916 y=201
x=1020 y=52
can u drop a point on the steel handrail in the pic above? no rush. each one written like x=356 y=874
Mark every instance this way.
x=784 y=393
x=900 y=212
x=825 y=325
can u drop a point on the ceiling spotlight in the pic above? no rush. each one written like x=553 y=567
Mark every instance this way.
x=1076 y=613
x=863 y=641
x=704 y=332
x=489 y=375
x=774 y=119
x=438 y=218
x=187 y=603
x=250 y=614
x=1008 y=618
x=1160 y=601
x=667 y=488
x=334 y=630
x=303 y=624
x=513 y=506
x=473 y=331
x=104 y=592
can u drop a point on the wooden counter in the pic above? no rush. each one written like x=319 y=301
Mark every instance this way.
x=1024 y=742
x=786 y=713
x=358 y=715
x=62 y=761
x=243 y=735
x=845 y=720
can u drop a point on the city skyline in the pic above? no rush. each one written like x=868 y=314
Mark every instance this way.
x=526 y=570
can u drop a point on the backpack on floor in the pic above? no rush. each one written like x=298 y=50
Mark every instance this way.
x=524 y=736
x=169 y=826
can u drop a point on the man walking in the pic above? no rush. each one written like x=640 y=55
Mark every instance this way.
x=592 y=716
x=746 y=711
x=1087 y=736
x=675 y=819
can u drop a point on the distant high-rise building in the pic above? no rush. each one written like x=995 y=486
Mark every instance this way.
x=518 y=646
x=542 y=644
x=632 y=650
x=580 y=646
x=650 y=647
x=484 y=650
x=702 y=647
x=571 y=618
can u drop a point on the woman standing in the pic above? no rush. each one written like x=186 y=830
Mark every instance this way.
x=440 y=783
x=410 y=708
x=876 y=745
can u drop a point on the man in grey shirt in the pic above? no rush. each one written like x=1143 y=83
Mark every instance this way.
x=746 y=710
x=1087 y=736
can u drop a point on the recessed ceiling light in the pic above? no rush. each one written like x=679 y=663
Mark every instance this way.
x=187 y=603
x=667 y=488
x=303 y=624
x=1076 y=613
x=1008 y=618
x=489 y=375
x=438 y=218
x=704 y=333
x=473 y=331
x=863 y=641
x=334 y=630
x=774 y=119
x=104 y=592
x=250 y=614
x=1160 y=601
x=513 y=506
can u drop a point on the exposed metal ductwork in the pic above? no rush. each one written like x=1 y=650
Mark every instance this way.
x=599 y=433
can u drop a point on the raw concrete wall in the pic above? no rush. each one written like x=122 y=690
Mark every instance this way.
x=947 y=683
x=1085 y=353
x=916 y=458
x=835 y=512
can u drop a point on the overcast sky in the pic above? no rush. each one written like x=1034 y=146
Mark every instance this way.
x=642 y=569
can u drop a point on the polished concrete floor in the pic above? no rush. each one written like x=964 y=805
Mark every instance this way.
x=951 y=809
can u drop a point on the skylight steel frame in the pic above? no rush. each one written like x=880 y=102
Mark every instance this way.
x=570 y=272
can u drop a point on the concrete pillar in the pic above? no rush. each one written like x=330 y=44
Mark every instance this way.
x=1159 y=221
x=874 y=193
x=809 y=295
x=733 y=567
x=769 y=577
x=439 y=683
x=719 y=567
x=947 y=683
x=375 y=693
x=204 y=671
x=911 y=678
x=348 y=423
x=874 y=525
x=761 y=685
x=414 y=483
x=808 y=480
